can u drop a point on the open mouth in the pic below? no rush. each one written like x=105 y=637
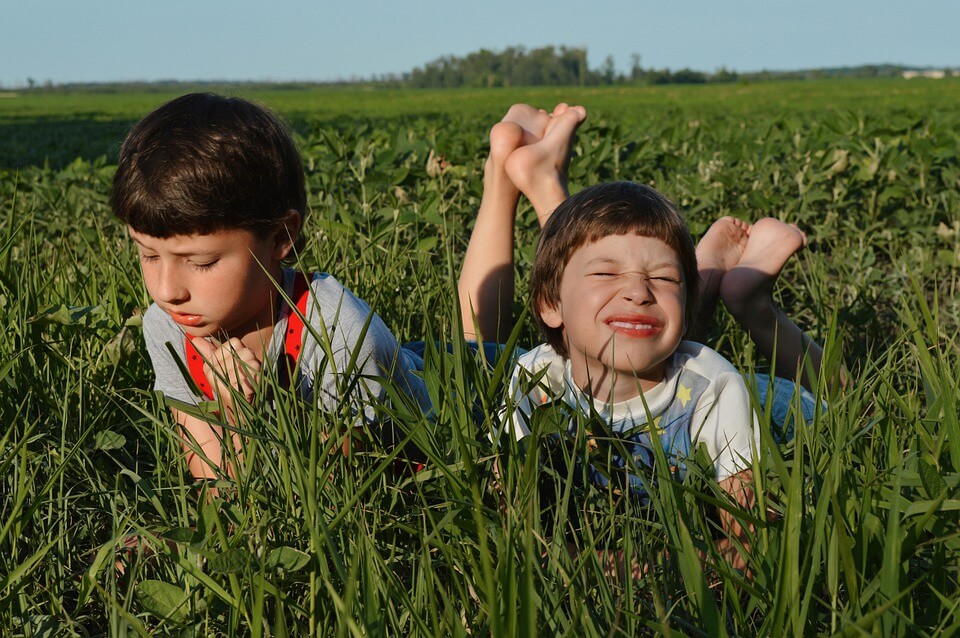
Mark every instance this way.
x=635 y=326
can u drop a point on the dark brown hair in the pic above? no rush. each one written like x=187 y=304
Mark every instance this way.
x=614 y=208
x=203 y=163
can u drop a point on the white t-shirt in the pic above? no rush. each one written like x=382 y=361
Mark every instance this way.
x=699 y=385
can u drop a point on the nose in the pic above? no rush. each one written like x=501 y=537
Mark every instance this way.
x=169 y=287
x=638 y=290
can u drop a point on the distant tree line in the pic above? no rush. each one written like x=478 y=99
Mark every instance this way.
x=514 y=66
x=545 y=66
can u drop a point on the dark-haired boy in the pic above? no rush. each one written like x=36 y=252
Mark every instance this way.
x=212 y=192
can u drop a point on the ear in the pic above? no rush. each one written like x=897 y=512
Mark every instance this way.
x=286 y=234
x=552 y=315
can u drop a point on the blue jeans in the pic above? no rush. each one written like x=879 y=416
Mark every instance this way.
x=491 y=351
x=782 y=398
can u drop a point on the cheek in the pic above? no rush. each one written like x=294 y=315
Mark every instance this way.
x=680 y=310
x=594 y=298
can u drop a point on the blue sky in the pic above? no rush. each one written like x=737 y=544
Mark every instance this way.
x=113 y=40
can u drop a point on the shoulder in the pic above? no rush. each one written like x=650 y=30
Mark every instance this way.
x=543 y=356
x=721 y=388
x=336 y=300
x=718 y=380
x=347 y=321
x=540 y=361
x=537 y=377
x=159 y=328
x=540 y=371
x=154 y=316
x=158 y=331
x=698 y=358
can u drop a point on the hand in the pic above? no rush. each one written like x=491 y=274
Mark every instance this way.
x=229 y=366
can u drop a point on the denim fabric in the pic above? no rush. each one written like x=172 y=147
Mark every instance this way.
x=783 y=397
x=491 y=351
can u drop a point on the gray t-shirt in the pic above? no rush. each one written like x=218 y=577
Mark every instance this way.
x=335 y=323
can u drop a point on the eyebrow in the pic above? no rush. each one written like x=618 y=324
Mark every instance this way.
x=602 y=260
x=179 y=253
x=599 y=261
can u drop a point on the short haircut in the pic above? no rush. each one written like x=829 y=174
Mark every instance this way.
x=205 y=163
x=615 y=208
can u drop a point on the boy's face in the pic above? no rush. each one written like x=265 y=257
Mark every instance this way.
x=221 y=283
x=621 y=310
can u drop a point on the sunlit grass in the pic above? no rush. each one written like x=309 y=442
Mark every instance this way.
x=857 y=524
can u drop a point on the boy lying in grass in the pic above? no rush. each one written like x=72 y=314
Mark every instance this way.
x=614 y=289
x=212 y=192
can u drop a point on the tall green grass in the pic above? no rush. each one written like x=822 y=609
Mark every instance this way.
x=856 y=526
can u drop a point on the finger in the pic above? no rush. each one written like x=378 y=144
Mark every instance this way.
x=204 y=347
x=246 y=359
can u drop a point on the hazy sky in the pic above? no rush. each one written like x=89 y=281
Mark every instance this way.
x=110 y=40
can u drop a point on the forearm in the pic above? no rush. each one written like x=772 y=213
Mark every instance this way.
x=796 y=355
x=734 y=546
x=486 y=283
x=204 y=447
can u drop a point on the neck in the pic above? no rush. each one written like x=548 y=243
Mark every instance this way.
x=257 y=333
x=610 y=386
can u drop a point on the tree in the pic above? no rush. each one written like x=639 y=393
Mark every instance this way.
x=636 y=71
x=608 y=71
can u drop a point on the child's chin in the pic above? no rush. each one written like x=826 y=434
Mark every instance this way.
x=198 y=332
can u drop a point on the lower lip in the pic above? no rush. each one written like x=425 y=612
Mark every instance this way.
x=186 y=320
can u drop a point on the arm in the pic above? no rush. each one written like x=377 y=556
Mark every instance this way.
x=165 y=345
x=529 y=152
x=731 y=431
x=486 y=282
x=203 y=446
x=740 y=488
x=233 y=370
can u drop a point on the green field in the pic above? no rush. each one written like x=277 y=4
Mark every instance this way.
x=866 y=537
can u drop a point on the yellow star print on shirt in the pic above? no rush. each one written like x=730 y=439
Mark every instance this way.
x=683 y=393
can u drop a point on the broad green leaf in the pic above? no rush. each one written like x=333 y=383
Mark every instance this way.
x=233 y=561
x=179 y=534
x=933 y=483
x=164 y=600
x=108 y=440
x=286 y=558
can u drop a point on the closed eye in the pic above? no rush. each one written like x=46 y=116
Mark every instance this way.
x=206 y=266
x=668 y=283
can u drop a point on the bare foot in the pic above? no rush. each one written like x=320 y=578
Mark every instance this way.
x=539 y=169
x=748 y=286
x=522 y=125
x=505 y=137
x=719 y=250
